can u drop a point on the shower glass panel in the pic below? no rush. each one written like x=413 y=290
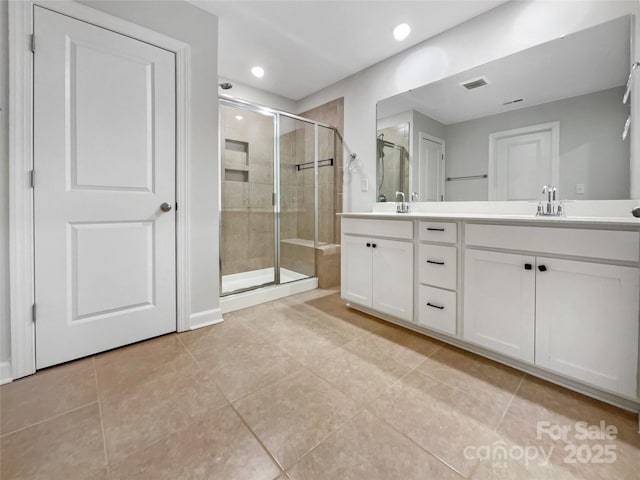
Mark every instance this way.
x=247 y=246
x=392 y=170
x=297 y=199
x=328 y=222
x=278 y=197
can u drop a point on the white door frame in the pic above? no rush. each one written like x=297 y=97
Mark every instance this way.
x=21 y=213
x=555 y=152
x=441 y=169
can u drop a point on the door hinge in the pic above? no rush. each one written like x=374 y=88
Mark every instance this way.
x=32 y=178
x=33 y=43
x=273 y=199
x=33 y=312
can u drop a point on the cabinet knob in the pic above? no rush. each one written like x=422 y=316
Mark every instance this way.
x=374 y=245
x=528 y=266
x=542 y=268
x=368 y=244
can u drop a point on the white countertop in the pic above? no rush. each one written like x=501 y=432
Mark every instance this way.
x=556 y=221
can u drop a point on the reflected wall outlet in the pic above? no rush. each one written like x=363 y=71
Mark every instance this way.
x=580 y=188
x=364 y=185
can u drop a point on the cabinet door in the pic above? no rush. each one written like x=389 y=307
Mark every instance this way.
x=356 y=270
x=393 y=278
x=587 y=322
x=499 y=301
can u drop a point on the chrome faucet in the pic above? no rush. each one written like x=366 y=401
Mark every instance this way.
x=552 y=208
x=402 y=206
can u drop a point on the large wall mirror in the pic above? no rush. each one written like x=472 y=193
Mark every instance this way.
x=549 y=115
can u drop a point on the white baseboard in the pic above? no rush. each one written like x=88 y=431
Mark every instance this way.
x=5 y=372
x=206 y=318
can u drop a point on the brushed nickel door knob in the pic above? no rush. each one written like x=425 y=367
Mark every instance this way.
x=636 y=211
x=165 y=207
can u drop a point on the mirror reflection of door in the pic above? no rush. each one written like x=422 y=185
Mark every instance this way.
x=521 y=161
x=431 y=168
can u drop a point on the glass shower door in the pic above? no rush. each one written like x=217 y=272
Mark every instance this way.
x=247 y=246
x=297 y=195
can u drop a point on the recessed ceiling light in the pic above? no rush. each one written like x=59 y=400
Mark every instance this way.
x=257 y=71
x=239 y=117
x=401 y=32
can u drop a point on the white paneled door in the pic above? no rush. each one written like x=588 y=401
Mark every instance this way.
x=104 y=163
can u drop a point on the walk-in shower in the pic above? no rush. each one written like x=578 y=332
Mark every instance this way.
x=277 y=195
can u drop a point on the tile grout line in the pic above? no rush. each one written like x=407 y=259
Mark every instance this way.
x=104 y=434
x=458 y=389
x=39 y=422
x=393 y=427
x=264 y=447
x=515 y=392
x=329 y=435
x=188 y=351
x=229 y=401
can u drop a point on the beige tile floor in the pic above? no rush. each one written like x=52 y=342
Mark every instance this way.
x=301 y=388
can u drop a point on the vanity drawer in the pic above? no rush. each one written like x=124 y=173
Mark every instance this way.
x=606 y=244
x=378 y=228
x=437 y=309
x=438 y=265
x=445 y=232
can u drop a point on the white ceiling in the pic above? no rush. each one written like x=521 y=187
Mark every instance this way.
x=588 y=61
x=306 y=45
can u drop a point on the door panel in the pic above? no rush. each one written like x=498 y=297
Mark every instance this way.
x=499 y=301
x=104 y=143
x=392 y=290
x=587 y=322
x=357 y=272
x=431 y=170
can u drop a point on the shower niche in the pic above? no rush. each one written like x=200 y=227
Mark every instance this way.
x=236 y=160
x=271 y=232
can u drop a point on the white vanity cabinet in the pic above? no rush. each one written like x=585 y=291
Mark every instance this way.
x=377 y=265
x=578 y=318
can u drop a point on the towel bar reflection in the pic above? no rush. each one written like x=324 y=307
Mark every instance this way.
x=468 y=177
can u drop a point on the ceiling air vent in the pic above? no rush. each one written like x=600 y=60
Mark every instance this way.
x=517 y=100
x=475 y=83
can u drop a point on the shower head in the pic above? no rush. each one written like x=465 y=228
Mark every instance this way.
x=225 y=85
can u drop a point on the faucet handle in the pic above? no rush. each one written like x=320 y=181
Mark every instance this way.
x=414 y=196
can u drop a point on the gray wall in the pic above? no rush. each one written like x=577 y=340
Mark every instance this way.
x=591 y=150
x=199 y=29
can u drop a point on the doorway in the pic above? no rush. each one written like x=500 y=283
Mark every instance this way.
x=522 y=160
x=104 y=189
x=431 y=168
